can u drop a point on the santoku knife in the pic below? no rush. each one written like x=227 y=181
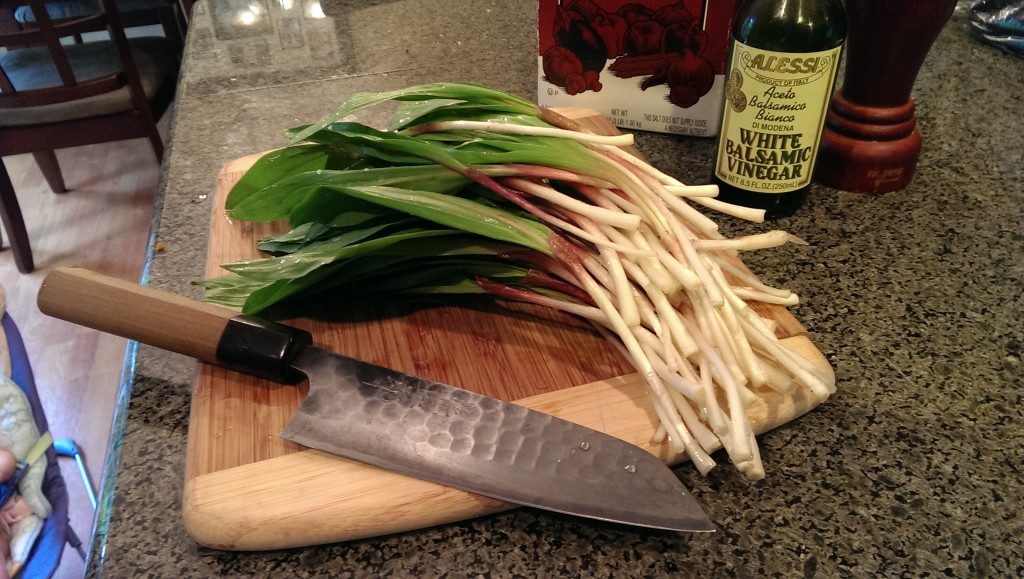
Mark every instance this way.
x=392 y=420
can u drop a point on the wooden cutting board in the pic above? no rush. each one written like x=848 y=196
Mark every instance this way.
x=247 y=489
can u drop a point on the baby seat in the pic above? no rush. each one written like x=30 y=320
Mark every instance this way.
x=46 y=551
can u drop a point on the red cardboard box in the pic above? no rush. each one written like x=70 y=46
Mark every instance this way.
x=652 y=65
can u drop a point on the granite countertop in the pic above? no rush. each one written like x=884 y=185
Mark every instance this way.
x=916 y=298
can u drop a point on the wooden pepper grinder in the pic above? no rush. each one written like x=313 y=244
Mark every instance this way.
x=871 y=143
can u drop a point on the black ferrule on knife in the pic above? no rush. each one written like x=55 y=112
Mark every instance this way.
x=262 y=348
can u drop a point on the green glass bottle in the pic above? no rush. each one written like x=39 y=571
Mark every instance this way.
x=783 y=59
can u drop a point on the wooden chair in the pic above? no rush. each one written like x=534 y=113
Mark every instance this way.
x=55 y=95
x=170 y=15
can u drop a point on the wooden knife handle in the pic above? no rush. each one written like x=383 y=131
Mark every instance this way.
x=133 y=311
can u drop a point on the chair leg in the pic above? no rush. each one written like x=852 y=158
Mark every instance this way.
x=47 y=162
x=186 y=8
x=10 y=214
x=171 y=24
x=156 y=141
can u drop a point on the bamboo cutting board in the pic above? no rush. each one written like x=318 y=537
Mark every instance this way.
x=247 y=489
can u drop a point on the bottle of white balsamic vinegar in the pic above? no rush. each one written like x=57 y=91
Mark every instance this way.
x=782 y=66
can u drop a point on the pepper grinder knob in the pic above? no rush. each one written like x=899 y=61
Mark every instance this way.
x=871 y=143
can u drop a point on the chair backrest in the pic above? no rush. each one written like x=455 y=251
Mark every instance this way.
x=31 y=50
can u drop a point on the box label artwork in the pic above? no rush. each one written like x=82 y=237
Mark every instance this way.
x=653 y=65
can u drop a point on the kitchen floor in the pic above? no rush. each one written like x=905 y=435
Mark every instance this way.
x=102 y=223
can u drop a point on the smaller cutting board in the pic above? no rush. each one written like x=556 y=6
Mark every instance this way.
x=247 y=489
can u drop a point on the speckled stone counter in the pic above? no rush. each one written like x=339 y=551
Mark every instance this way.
x=913 y=468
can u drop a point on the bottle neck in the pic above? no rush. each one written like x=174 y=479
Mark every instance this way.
x=791 y=25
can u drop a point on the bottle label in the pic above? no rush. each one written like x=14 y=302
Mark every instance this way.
x=775 y=109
